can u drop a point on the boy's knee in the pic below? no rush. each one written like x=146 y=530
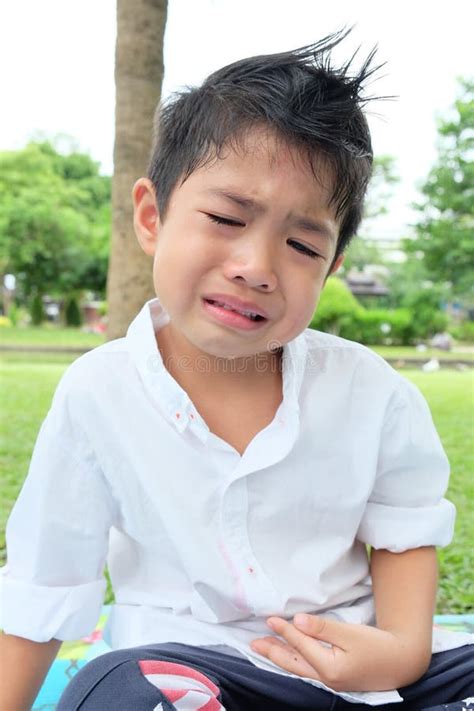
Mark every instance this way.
x=112 y=681
x=138 y=678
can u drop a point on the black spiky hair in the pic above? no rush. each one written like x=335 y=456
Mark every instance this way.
x=298 y=95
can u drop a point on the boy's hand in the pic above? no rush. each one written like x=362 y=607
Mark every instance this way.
x=360 y=658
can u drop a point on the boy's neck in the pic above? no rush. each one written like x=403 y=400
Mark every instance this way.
x=191 y=368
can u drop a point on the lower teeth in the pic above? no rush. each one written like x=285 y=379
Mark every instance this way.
x=252 y=318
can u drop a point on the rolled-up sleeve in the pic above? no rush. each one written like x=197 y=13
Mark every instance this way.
x=57 y=535
x=406 y=508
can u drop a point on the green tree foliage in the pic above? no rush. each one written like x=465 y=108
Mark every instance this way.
x=361 y=250
x=409 y=287
x=72 y=312
x=340 y=313
x=445 y=229
x=360 y=253
x=37 y=311
x=336 y=306
x=54 y=220
x=384 y=177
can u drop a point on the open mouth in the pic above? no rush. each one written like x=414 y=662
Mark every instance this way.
x=248 y=314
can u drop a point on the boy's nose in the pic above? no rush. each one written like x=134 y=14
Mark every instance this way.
x=254 y=267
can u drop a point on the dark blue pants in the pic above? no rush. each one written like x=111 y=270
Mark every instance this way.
x=117 y=682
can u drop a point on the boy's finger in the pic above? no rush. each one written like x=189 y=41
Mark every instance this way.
x=284 y=656
x=276 y=640
x=320 y=657
x=339 y=634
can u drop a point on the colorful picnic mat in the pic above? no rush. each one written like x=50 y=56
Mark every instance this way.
x=74 y=655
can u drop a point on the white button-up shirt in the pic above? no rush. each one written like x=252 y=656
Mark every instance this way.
x=202 y=544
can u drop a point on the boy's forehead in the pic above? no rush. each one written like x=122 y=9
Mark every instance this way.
x=247 y=156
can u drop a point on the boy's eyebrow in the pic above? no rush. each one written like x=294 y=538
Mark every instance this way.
x=304 y=223
x=239 y=200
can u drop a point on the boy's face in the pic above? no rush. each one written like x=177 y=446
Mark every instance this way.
x=254 y=225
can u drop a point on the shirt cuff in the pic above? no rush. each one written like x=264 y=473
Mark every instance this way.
x=41 y=613
x=398 y=529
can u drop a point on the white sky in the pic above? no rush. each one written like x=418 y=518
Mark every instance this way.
x=57 y=63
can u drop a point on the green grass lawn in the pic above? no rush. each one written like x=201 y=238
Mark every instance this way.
x=451 y=399
x=462 y=351
x=49 y=335
x=27 y=385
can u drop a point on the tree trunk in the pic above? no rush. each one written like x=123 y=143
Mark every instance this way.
x=138 y=78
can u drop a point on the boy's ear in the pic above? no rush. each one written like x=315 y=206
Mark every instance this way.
x=338 y=262
x=146 y=217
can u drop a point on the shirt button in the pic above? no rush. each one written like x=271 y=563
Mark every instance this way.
x=250 y=569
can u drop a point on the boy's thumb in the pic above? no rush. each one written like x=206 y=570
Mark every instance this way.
x=315 y=626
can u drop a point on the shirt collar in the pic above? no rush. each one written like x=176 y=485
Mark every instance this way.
x=173 y=401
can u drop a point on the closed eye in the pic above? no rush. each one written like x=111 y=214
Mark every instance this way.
x=224 y=220
x=303 y=249
x=218 y=219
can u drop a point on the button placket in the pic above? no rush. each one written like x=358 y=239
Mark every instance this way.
x=257 y=577
x=250 y=578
